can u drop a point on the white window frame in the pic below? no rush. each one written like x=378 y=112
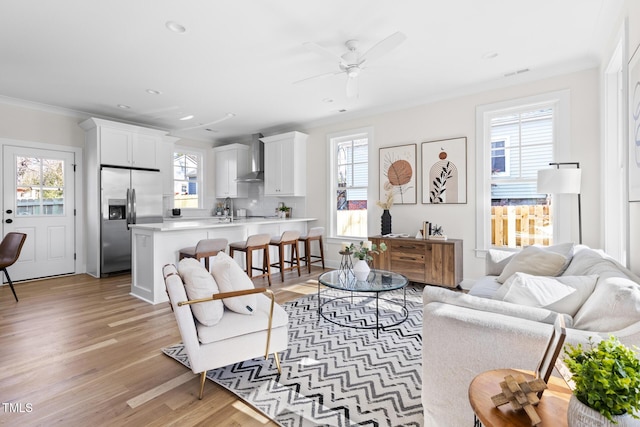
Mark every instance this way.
x=562 y=206
x=201 y=171
x=332 y=140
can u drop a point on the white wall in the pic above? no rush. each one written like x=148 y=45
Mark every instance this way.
x=455 y=118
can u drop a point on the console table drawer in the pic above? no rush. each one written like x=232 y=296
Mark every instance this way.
x=407 y=248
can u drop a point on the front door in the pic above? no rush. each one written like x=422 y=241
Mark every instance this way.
x=39 y=200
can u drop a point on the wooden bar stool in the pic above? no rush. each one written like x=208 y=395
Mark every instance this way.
x=288 y=238
x=204 y=249
x=315 y=233
x=254 y=243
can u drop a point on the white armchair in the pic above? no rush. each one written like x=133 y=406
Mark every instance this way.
x=236 y=337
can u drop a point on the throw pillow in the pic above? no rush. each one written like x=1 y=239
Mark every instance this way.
x=230 y=277
x=564 y=294
x=497 y=260
x=535 y=260
x=198 y=283
x=614 y=305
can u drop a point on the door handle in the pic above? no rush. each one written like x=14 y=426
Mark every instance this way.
x=9 y=221
x=9 y=211
x=135 y=208
x=127 y=214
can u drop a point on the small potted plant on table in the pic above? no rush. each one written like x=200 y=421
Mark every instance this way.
x=364 y=254
x=607 y=384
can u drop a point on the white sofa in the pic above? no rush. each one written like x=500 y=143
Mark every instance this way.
x=466 y=334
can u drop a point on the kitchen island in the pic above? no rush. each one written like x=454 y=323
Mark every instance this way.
x=157 y=244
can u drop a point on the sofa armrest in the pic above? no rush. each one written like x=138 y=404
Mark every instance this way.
x=436 y=294
x=461 y=342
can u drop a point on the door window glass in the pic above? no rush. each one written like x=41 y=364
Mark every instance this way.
x=39 y=186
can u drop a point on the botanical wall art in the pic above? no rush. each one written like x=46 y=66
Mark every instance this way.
x=398 y=173
x=444 y=171
x=634 y=127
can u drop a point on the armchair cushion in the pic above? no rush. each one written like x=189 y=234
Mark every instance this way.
x=235 y=324
x=230 y=277
x=199 y=284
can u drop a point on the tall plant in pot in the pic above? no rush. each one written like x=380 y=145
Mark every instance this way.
x=607 y=382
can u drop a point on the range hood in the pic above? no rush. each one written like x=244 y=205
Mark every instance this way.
x=256 y=154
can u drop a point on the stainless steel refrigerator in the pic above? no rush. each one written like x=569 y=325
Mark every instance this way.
x=129 y=196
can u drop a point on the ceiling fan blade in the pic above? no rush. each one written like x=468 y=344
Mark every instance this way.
x=352 y=87
x=384 y=46
x=324 y=52
x=319 y=76
x=201 y=125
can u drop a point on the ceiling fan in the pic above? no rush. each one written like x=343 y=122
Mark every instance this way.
x=353 y=61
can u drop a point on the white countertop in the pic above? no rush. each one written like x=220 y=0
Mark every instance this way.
x=211 y=222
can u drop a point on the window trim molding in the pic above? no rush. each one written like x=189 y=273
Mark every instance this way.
x=560 y=100
x=331 y=205
x=201 y=173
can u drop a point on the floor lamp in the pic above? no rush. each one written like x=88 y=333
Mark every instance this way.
x=562 y=181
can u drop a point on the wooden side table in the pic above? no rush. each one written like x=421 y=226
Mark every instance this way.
x=552 y=408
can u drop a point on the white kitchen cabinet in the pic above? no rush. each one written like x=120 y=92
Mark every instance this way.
x=120 y=144
x=231 y=161
x=285 y=160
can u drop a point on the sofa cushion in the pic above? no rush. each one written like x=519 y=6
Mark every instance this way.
x=564 y=294
x=485 y=287
x=539 y=261
x=230 y=277
x=496 y=260
x=613 y=305
x=198 y=283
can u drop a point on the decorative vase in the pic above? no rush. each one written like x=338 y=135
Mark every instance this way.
x=580 y=415
x=361 y=270
x=385 y=221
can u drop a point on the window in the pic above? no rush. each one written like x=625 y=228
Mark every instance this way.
x=40 y=185
x=350 y=181
x=518 y=139
x=187 y=178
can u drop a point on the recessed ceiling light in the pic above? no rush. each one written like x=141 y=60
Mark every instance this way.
x=342 y=111
x=189 y=117
x=211 y=130
x=175 y=27
x=153 y=92
x=123 y=106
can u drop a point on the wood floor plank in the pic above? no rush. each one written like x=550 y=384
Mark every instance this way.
x=81 y=351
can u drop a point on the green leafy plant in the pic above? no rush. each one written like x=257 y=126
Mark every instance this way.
x=606 y=376
x=365 y=250
x=284 y=208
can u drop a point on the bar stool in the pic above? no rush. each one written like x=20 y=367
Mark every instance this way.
x=204 y=249
x=254 y=243
x=288 y=238
x=315 y=233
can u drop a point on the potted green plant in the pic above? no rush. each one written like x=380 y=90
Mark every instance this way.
x=607 y=382
x=285 y=211
x=364 y=254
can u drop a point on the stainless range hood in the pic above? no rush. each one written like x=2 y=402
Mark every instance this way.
x=256 y=154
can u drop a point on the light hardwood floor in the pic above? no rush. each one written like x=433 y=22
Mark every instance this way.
x=80 y=351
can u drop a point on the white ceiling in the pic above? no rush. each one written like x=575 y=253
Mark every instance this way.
x=242 y=56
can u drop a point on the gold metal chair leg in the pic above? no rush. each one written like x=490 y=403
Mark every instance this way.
x=277 y=359
x=203 y=377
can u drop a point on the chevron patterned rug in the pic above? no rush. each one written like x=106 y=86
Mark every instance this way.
x=334 y=375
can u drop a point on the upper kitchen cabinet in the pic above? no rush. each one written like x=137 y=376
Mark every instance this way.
x=120 y=144
x=231 y=162
x=285 y=162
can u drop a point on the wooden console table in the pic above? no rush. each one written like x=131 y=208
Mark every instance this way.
x=552 y=408
x=434 y=262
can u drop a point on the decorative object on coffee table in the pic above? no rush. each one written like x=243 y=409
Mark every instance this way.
x=346 y=265
x=364 y=254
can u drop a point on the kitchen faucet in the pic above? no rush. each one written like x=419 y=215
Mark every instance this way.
x=228 y=204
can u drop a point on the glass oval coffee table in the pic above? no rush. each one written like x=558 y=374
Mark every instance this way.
x=354 y=303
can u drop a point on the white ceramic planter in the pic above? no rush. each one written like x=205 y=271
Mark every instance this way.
x=361 y=270
x=580 y=415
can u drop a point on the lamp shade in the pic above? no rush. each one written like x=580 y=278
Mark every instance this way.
x=559 y=181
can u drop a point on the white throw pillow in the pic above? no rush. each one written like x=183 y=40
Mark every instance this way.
x=614 y=305
x=496 y=260
x=230 y=277
x=537 y=261
x=564 y=294
x=198 y=284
